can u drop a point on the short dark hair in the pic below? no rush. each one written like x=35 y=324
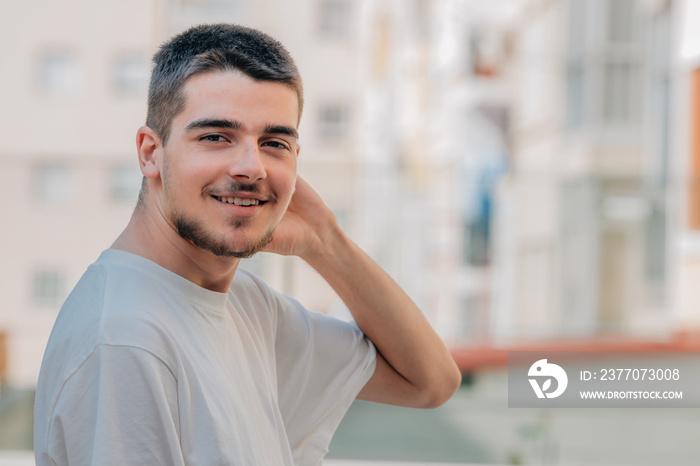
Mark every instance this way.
x=208 y=48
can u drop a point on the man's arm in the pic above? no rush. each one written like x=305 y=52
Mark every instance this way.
x=414 y=368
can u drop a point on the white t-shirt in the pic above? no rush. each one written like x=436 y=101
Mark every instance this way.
x=143 y=367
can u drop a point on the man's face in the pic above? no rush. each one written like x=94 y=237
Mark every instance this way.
x=229 y=166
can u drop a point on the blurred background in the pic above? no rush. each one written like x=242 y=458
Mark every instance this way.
x=528 y=170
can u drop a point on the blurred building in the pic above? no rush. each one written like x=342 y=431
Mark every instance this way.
x=519 y=166
x=586 y=218
x=404 y=134
x=73 y=79
x=434 y=132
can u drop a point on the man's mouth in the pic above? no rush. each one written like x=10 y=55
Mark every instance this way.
x=239 y=201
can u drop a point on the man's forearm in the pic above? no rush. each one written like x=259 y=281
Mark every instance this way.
x=390 y=319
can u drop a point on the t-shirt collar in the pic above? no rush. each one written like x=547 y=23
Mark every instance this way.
x=191 y=291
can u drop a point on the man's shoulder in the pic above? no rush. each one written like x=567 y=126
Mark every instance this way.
x=108 y=295
x=251 y=295
x=250 y=290
x=108 y=306
x=247 y=285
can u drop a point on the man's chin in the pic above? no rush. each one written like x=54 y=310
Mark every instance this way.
x=195 y=234
x=242 y=253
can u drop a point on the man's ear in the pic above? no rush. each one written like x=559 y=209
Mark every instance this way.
x=149 y=148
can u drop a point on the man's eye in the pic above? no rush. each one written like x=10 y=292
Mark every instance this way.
x=275 y=144
x=213 y=138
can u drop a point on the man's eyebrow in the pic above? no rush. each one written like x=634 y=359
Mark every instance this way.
x=237 y=125
x=214 y=123
x=281 y=129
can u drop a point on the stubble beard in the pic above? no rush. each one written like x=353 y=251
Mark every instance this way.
x=192 y=231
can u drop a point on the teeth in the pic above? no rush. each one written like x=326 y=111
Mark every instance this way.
x=239 y=201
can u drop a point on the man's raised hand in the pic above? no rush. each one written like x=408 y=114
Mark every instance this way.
x=307 y=221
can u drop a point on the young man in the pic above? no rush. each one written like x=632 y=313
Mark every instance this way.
x=165 y=353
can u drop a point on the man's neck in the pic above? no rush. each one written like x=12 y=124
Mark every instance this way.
x=158 y=242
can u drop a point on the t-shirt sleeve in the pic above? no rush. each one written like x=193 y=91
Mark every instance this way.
x=322 y=364
x=119 y=407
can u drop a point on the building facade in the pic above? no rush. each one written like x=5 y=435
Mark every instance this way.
x=587 y=221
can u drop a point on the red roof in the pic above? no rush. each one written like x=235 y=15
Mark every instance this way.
x=473 y=358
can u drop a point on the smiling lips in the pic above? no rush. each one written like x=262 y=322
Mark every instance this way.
x=239 y=201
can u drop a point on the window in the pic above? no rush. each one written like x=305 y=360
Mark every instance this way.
x=59 y=74
x=622 y=71
x=48 y=288
x=576 y=67
x=124 y=183
x=623 y=24
x=604 y=68
x=131 y=75
x=333 y=121
x=334 y=18
x=53 y=185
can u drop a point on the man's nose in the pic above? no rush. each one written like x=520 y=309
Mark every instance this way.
x=247 y=163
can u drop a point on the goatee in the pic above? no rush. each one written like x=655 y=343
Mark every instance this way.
x=195 y=234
